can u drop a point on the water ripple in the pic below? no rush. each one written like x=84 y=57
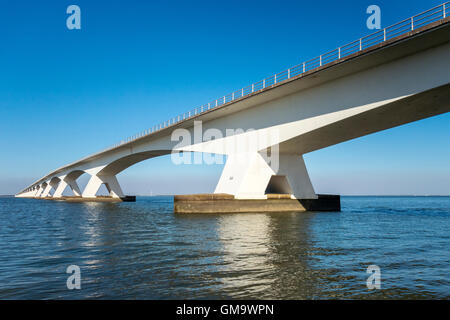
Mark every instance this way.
x=143 y=251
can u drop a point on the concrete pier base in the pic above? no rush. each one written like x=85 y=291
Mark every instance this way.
x=226 y=203
x=92 y=199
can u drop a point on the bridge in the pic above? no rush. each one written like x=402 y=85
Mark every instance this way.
x=391 y=77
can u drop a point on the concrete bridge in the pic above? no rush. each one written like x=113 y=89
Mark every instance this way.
x=392 y=77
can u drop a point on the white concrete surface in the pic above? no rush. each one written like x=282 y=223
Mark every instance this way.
x=384 y=88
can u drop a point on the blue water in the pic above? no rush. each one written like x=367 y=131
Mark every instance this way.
x=143 y=251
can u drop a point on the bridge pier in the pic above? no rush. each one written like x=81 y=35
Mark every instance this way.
x=73 y=186
x=38 y=191
x=249 y=183
x=47 y=188
x=64 y=182
x=226 y=203
x=95 y=182
x=250 y=176
x=60 y=183
x=60 y=189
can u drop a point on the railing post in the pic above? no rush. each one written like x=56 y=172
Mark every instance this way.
x=275 y=78
x=216 y=102
x=320 y=64
x=242 y=92
x=304 y=67
x=412 y=23
x=384 y=34
x=360 y=44
x=289 y=73
x=443 y=10
x=232 y=96
x=253 y=87
x=339 y=52
x=264 y=83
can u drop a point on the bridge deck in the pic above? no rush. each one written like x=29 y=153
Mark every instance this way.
x=283 y=82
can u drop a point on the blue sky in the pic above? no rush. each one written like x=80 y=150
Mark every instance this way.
x=65 y=94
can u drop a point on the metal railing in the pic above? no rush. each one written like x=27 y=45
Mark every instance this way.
x=420 y=20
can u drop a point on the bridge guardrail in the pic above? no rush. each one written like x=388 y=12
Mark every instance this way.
x=420 y=20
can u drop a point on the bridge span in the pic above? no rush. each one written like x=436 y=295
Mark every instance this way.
x=394 y=76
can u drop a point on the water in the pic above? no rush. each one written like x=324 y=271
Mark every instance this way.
x=143 y=251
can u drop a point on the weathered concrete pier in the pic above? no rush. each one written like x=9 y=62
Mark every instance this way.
x=226 y=203
x=93 y=199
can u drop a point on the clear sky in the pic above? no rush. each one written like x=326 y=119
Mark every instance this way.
x=65 y=94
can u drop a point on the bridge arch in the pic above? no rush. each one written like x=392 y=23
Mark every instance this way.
x=125 y=162
x=74 y=175
x=54 y=180
x=106 y=174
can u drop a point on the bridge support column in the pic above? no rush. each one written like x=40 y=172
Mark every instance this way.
x=293 y=167
x=64 y=182
x=248 y=176
x=39 y=191
x=111 y=183
x=73 y=186
x=54 y=183
x=245 y=176
x=60 y=189
x=46 y=191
